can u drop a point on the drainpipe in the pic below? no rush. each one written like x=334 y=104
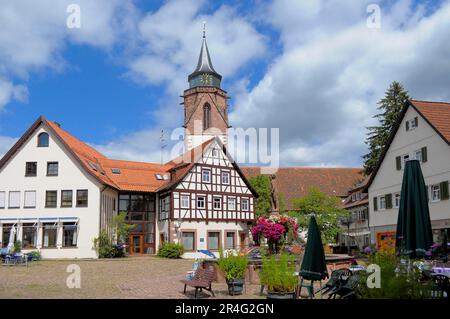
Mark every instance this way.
x=101 y=208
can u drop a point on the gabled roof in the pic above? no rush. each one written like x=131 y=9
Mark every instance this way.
x=436 y=114
x=128 y=175
x=295 y=182
x=183 y=164
x=134 y=176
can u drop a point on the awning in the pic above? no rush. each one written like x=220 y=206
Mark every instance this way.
x=35 y=220
x=357 y=234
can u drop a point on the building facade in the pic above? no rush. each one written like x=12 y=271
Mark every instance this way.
x=355 y=228
x=57 y=194
x=422 y=133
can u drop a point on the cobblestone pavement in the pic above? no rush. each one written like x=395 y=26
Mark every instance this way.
x=136 y=277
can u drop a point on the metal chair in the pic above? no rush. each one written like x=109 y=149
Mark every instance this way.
x=441 y=288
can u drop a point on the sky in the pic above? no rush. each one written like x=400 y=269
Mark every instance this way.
x=315 y=69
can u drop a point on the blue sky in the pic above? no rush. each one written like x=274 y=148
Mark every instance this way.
x=289 y=64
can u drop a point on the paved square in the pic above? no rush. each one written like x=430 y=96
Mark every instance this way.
x=135 y=277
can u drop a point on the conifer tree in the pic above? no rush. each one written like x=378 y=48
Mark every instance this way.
x=390 y=107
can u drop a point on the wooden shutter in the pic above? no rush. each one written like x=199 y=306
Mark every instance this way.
x=398 y=162
x=416 y=121
x=407 y=125
x=388 y=198
x=424 y=155
x=444 y=191
x=375 y=203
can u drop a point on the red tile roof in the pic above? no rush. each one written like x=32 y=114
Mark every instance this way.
x=437 y=113
x=294 y=182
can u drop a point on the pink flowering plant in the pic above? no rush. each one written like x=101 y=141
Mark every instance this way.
x=274 y=229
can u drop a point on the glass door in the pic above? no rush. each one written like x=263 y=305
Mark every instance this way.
x=136 y=244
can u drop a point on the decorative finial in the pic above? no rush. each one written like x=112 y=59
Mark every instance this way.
x=204 y=29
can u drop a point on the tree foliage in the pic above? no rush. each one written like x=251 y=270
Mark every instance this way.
x=262 y=185
x=326 y=209
x=390 y=107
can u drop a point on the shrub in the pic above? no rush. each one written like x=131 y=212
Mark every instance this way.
x=103 y=246
x=17 y=246
x=36 y=255
x=171 y=250
x=395 y=284
x=232 y=265
x=278 y=275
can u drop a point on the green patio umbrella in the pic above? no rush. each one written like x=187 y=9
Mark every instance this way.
x=414 y=234
x=313 y=264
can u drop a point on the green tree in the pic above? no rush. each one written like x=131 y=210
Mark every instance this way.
x=121 y=228
x=326 y=209
x=263 y=186
x=390 y=107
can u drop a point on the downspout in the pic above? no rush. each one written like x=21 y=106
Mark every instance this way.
x=101 y=207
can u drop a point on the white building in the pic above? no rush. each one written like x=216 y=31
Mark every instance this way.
x=423 y=133
x=57 y=193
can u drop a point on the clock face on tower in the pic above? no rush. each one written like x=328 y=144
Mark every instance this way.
x=206 y=79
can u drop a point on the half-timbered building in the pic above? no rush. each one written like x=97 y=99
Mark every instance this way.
x=57 y=193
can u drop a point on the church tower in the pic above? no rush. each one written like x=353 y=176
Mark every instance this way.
x=205 y=103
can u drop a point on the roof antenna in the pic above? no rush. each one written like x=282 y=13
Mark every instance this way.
x=204 y=29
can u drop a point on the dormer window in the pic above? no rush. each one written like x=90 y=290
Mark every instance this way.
x=412 y=124
x=43 y=140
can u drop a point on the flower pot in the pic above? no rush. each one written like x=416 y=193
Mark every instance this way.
x=235 y=286
x=281 y=295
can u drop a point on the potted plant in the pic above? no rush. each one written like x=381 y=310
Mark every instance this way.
x=279 y=277
x=234 y=267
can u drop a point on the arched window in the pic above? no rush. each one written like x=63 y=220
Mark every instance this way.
x=43 y=140
x=206 y=116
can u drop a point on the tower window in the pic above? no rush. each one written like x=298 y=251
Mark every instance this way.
x=43 y=140
x=206 y=116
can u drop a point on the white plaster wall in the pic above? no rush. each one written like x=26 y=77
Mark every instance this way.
x=201 y=232
x=70 y=177
x=435 y=170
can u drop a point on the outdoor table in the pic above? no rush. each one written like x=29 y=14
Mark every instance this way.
x=441 y=270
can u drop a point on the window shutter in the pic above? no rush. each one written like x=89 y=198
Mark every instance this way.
x=416 y=121
x=407 y=125
x=2 y=199
x=444 y=191
x=388 y=201
x=375 y=203
x=398 y=161
x=424 y=155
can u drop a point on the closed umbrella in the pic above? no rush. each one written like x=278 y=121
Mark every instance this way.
x=313 y=266
x=12 y=236
x=414 y=234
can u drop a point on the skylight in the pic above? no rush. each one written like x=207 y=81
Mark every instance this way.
x=115 y=171
x=93 y=166
x=158 y=177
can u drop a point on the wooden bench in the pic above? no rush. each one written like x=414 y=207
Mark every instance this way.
x=202 y=279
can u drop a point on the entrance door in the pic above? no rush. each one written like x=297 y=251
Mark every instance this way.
x=161 y=239
x=242 y=240
x=136 y=244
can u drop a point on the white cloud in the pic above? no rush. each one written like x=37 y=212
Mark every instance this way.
x=9 y=91
x=6 y=143
x=322 y=90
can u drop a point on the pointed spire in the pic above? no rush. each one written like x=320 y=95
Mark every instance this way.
x=204 y=67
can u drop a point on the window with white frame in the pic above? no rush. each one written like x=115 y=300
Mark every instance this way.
x=206 y=176
x=382 y=200
x=231 y=203
x=185 y=199
x=226 y=178
x=405 y=158
x=435 y=193
x=2 y=199
x=30 y=199
x=164 y=207
x=217 y=202
x=201 y=202
x=418 y=155
x=14 y=200
x=412 y=124
x=215 y=153
x=244 y=204
x=397 y=200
